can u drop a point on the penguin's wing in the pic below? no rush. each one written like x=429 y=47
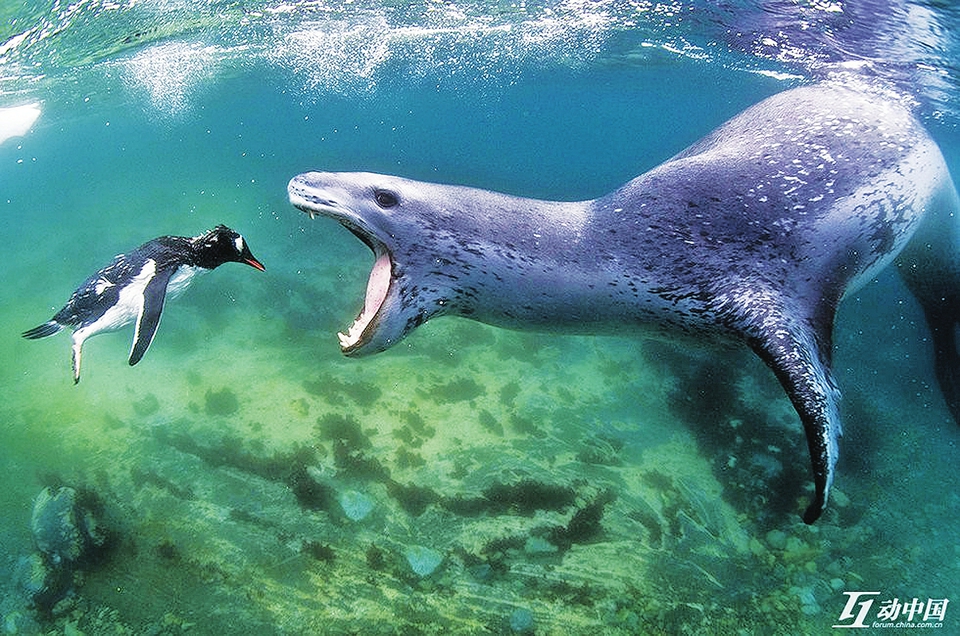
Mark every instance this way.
x=154 y=294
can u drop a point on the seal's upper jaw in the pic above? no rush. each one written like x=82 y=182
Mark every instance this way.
x=320 y=194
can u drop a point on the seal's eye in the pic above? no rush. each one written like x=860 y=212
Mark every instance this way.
x=386 y=199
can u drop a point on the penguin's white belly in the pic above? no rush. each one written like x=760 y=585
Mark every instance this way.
x=182 y=278
x=127 y=308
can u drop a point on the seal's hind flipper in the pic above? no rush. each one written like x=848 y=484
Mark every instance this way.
x=149 y=319
x=943 y=324
x=799 y=355
x=930 y=266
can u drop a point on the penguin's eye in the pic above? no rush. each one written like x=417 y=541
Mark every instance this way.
x=386 y=199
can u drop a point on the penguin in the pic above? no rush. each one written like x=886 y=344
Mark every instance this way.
x=135 y=285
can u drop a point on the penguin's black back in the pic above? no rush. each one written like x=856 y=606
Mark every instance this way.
x=101 y=291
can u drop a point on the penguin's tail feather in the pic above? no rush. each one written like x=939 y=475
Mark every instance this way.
x=42 y=331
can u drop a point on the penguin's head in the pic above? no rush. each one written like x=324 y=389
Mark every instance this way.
x=223 y=245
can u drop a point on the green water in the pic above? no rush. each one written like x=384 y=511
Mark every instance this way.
x=589 y=485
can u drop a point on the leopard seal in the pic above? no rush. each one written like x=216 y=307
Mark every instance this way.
x=754 y=233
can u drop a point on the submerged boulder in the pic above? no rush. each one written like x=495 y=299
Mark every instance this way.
x=70 y=533
x=423 y=561
x=54 y=525
x=67 y=526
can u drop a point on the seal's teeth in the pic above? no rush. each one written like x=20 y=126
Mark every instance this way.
x=352 y=336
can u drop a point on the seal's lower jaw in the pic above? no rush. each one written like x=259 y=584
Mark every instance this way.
x=378 y=286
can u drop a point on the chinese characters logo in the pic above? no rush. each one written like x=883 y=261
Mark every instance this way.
x=860 y=612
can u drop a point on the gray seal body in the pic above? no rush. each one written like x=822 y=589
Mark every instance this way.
x=755 y=233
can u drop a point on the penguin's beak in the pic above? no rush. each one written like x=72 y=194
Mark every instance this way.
x=246 y=256
x=254 y=263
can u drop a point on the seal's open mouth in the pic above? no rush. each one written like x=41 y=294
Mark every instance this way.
x=365 y=326
x=378 y=285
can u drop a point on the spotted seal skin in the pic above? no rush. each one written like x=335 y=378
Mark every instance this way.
x=755 y=233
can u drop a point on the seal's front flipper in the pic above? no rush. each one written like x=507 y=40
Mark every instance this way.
x=149 y=319
x=799 y=355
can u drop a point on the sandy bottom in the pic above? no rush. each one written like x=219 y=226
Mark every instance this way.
x=471 y=480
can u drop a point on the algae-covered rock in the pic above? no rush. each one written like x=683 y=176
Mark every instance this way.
x=423 y=561
x=19 y=622
x=777 y=539
x=42 y=584
x=54 y=525
x=522 y=621
x=69 y=531
x=355 y=505
x=539 y=545
x=223 y=402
